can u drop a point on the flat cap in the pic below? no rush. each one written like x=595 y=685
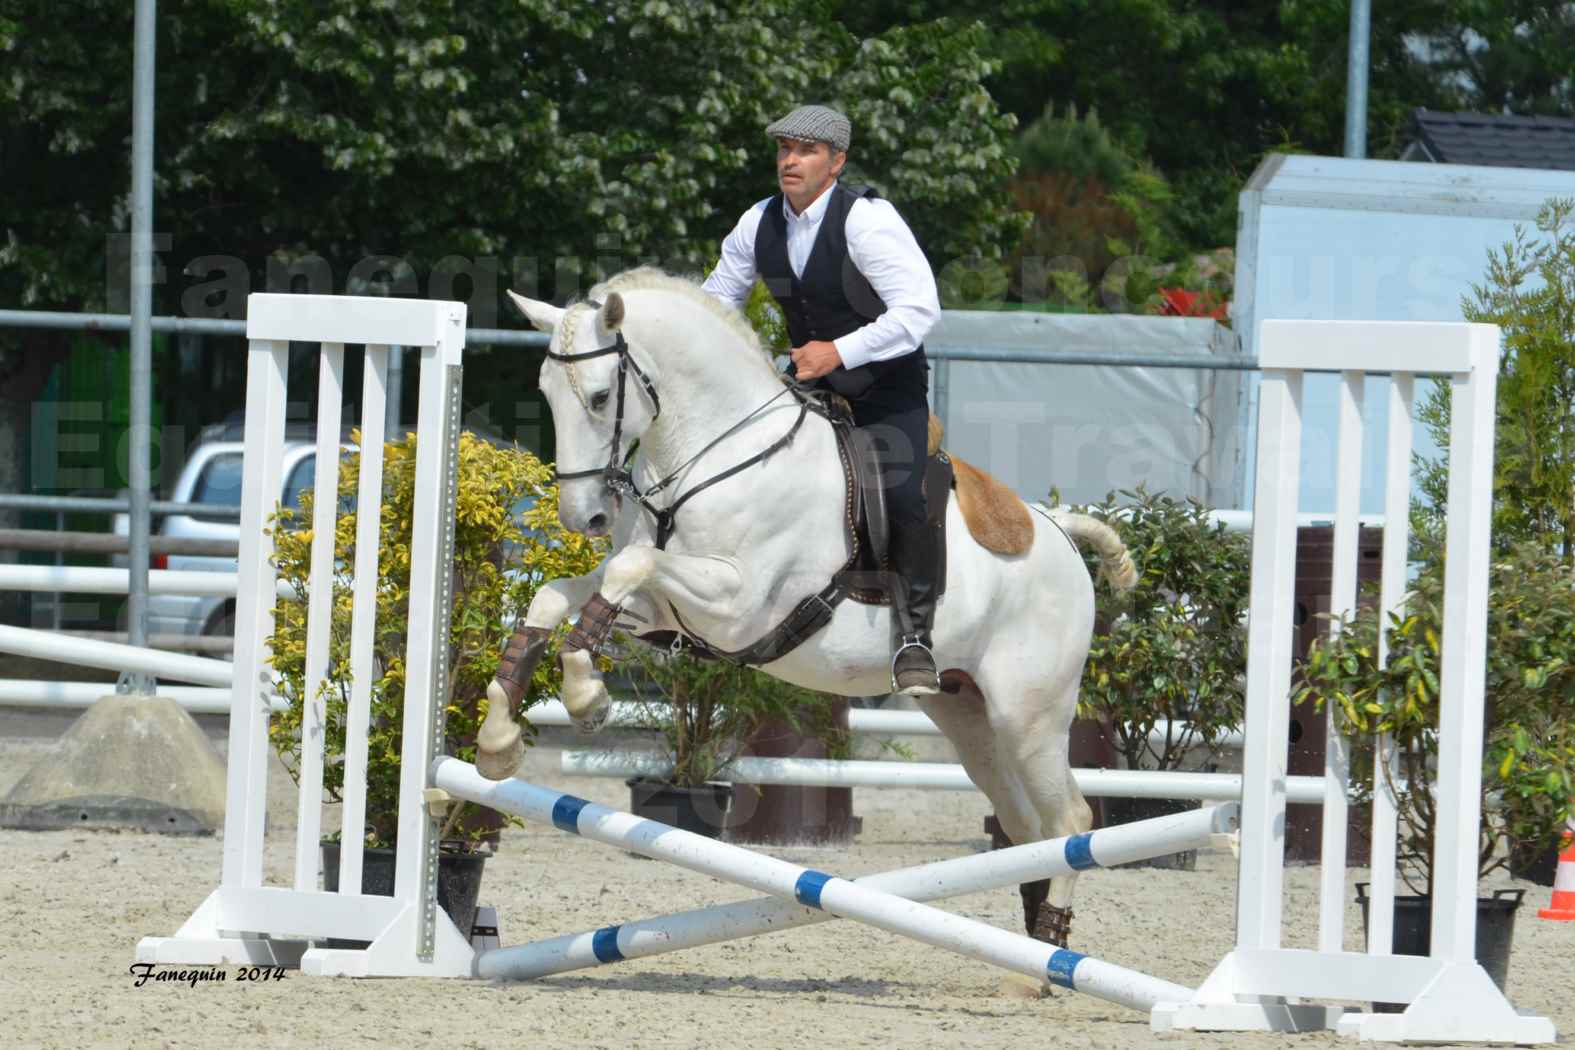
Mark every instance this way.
x=814 y=124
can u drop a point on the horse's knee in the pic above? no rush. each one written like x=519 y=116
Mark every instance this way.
x=549 y=607
x=627 y=571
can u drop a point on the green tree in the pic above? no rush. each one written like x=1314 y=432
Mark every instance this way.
x=933 y=139
x=1092 y=203
x=1509 y=56
x=1530 y=293
x=425 y=130
x=448 y=150
x=1205 y=88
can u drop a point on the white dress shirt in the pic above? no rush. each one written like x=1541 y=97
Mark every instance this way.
x=880 y=245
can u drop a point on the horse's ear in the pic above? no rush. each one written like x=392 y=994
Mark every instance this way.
x=544 y=316
x=612 y=312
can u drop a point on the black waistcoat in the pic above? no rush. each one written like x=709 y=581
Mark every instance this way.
x=833 y=299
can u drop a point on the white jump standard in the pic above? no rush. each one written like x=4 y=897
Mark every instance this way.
x=1261 y=984
x=810 y=888
x=243 y=920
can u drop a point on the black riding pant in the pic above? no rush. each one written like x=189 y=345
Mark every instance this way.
x=900 y=427
x=891 y=403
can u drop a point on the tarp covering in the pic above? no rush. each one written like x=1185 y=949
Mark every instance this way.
x=1088 y=429
x=1328 y=238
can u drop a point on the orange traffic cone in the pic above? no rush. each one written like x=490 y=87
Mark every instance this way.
x=1563 y=904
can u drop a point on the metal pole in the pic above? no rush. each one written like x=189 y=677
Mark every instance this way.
x=60 y=560
x=1356 y=79
x=158 y=507
x=141 y=329
x=81 y=322
x=394 y=400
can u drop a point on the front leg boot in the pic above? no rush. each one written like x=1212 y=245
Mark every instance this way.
x=593 y=631
x=500 y=744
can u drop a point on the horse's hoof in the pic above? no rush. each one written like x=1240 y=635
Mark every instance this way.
x=594 y=722
x=499 y=758
x=1016 y=986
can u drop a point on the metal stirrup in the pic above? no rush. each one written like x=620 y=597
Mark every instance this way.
x=910 y=641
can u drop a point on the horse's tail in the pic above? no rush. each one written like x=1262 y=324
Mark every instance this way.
x=1115 y=563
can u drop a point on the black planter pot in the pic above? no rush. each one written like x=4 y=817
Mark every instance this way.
x=459 y=882
x=1537 y=864
x=1413 y=932
x=1130 y=810
x=792 y=814
x=702 y=810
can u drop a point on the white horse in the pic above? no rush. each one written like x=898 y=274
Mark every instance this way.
x=1011 y=633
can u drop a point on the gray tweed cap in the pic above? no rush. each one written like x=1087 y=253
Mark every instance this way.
x=814 y=124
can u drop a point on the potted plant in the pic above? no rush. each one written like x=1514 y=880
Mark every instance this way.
x=1530 y=294
x=507 y=542
x=796 y=723
x=1528 y=768
x=1164 y=677
x=707 y=713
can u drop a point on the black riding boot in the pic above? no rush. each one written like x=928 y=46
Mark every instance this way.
x=914 y=548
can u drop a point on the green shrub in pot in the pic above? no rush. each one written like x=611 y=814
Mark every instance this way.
x=1528 y=761
x=507 y=543
x=706 y=710
x=1173 y=649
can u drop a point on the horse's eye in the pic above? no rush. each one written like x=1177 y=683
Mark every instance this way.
x=598 y=400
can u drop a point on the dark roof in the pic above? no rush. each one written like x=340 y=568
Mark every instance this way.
x=1494 y=141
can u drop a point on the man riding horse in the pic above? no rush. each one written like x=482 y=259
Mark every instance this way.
x=859 y=298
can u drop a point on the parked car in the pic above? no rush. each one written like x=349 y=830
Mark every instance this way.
x=212 y=475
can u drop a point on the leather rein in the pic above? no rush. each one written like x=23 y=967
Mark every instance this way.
x=616 y=475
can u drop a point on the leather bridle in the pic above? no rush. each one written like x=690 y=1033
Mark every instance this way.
x=616 y=475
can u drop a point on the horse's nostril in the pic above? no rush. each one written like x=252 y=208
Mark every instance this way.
x=598 y=523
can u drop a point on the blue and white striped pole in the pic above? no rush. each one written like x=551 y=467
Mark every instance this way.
x=809 y=888
x=1140 y=840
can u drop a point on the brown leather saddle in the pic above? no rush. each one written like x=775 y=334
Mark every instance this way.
x=869 y=568
x=866 y=577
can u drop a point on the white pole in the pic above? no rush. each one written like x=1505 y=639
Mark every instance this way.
x=814 y=889
x=199 y=700
x=113 y=656
x=813 y=772
x=948 y=878
x=627 y=714
x=71 y=579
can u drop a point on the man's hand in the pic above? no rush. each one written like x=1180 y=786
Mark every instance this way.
x=815 y=359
